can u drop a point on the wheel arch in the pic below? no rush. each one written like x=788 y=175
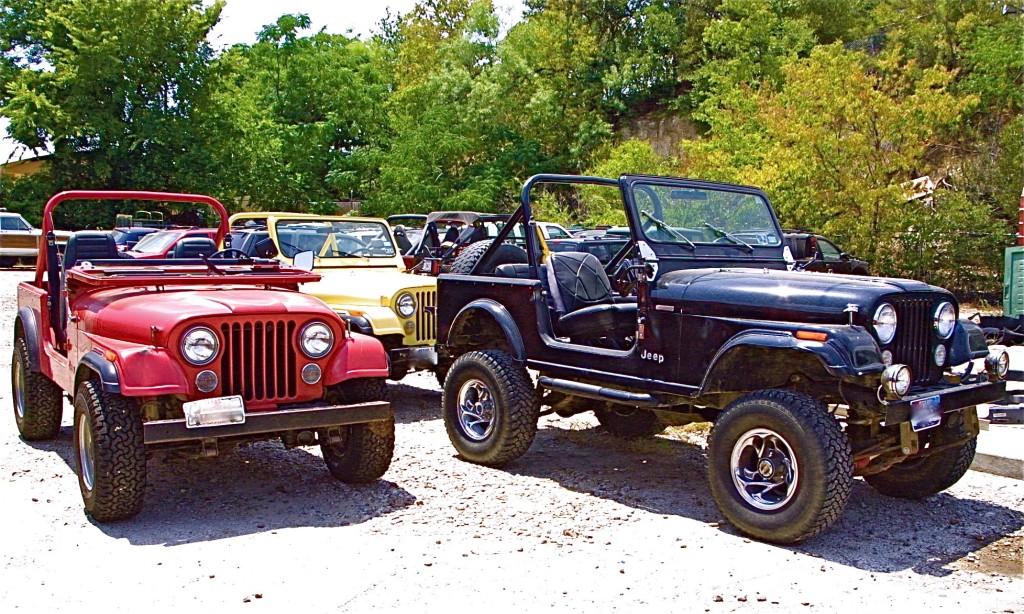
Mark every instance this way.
x=485 y=323
x=95 y=367
x=26 y=325
x=769 y=359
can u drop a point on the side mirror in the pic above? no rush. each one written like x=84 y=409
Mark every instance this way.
x=303 y=260
x=265 y=248
x=844 y=257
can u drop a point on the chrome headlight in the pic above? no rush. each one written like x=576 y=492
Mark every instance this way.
x=997 y=363
x=885 y=323
x=896 y=381
x=200 y=345
x=944 y=320
x=406 y=305
x=316 y=339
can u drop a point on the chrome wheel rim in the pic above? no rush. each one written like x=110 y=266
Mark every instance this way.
x=764 y=469
x=85 y=462
x=476 y=410
x=19 y=388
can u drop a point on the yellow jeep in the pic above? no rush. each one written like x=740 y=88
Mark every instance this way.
x=364 y=277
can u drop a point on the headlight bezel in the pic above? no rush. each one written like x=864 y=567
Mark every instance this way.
x=885 y=331
x=316 y=326
x=188 y=345
x=938 y=323
x=405 y=302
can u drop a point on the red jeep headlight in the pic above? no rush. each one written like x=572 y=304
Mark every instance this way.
x=200 y=345
x=316 y=339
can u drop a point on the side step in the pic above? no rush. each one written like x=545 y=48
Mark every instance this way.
x=600 y=393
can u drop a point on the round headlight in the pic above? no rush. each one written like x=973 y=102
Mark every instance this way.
x=896 y=381
x=940 y=355
x=199 y=346
x=316 y=339
x=997 y=363
x=945 y=320
x=885 y=323
x=406 y=305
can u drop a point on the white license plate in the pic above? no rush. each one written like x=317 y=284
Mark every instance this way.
x=214 y=412
x=925 y=413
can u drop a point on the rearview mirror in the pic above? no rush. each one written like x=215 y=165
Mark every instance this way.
x=303 y=260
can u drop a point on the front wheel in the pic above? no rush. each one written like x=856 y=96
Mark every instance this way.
x=109 y=452
x=921 y=477
x=629 y=422
x=490 y=407
x=365 y=451
x=779 y=466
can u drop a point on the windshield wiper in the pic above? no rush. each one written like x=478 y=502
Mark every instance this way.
x=672 y=231
x=726 y=235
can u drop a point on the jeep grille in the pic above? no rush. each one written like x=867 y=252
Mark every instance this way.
x=258 y=360
x=426 y=315
x=915 y=336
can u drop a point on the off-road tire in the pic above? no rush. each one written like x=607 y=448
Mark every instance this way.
x=917 y=478
x=467 y=258
x=108 y=431
x=516 y=410
x=38 y=402
x=629 y=422
x=365 y=451
x=822 y=456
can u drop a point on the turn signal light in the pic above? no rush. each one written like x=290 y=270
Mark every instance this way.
x=810 y=335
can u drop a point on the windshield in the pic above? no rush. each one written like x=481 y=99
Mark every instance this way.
x=156 y=242
x=329 y=239
x=670 y=214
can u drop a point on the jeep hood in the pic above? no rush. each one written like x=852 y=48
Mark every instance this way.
x=131 y=315
x=367 y=287
x=780 y=295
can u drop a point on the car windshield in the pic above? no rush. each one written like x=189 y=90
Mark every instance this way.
x=156 y=242
x=670 y=214
x=329 y=239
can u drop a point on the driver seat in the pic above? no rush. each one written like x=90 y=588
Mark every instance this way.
x=194 y=247
x=584 y=300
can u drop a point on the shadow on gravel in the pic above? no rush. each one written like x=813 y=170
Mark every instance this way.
x=414 y=403
x=874 y=533
x=256 y=489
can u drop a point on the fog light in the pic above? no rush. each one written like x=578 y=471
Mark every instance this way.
x=896 y=381
x=997 y=363
x=311 y=374
x=887 y=357
x=940 y=355
x=206 y=381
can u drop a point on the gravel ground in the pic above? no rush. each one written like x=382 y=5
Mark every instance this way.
x=583 y=522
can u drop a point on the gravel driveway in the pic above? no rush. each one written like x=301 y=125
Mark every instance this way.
x=583 y=522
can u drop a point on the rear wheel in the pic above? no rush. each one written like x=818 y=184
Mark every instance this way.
x=365 y=450
x=917 y=478
x=38 y=402
x=629 y=422
x=490 y=407
x=110 y=455
x=779 y=466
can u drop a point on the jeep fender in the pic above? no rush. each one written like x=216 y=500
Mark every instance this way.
x=28 y=324
x=968 y=343
x=490 y=311
x=359 y=356
x=136 y=369
x=848 y=352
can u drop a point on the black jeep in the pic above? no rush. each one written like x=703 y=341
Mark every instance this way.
x=810 y=379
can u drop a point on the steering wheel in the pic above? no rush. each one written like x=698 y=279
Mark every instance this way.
x=230 y=252
x=361 y=249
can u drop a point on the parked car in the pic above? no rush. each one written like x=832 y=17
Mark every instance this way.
x=603 y=244
x=127 y=237
x=810 y=379
x=188 y=357
x=813 y=252
x=175 y=243
x=20 y=240
x=364 y=278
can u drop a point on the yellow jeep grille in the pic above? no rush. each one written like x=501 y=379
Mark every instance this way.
x=426 y=315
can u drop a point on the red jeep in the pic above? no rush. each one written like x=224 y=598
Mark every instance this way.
x=189 y=356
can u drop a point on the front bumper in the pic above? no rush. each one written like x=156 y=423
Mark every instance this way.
x=269 y=422
x=951 y=399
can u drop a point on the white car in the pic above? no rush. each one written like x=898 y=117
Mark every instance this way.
x=18 y=239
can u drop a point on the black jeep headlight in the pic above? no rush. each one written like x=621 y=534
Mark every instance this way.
x=316 y=339
x=945 y=320
x=406 y=305
x=200 y=345
x=885 y=323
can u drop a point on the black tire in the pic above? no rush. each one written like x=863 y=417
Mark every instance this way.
x=786 y=426
x=507 y=421
x=365 y=451
x=467 y=258
x=38 y=402
x=629 y=422
x=110 y=455
x=917 y=478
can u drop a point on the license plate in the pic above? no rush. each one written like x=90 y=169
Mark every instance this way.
x=214 y=412
x=925 y=413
